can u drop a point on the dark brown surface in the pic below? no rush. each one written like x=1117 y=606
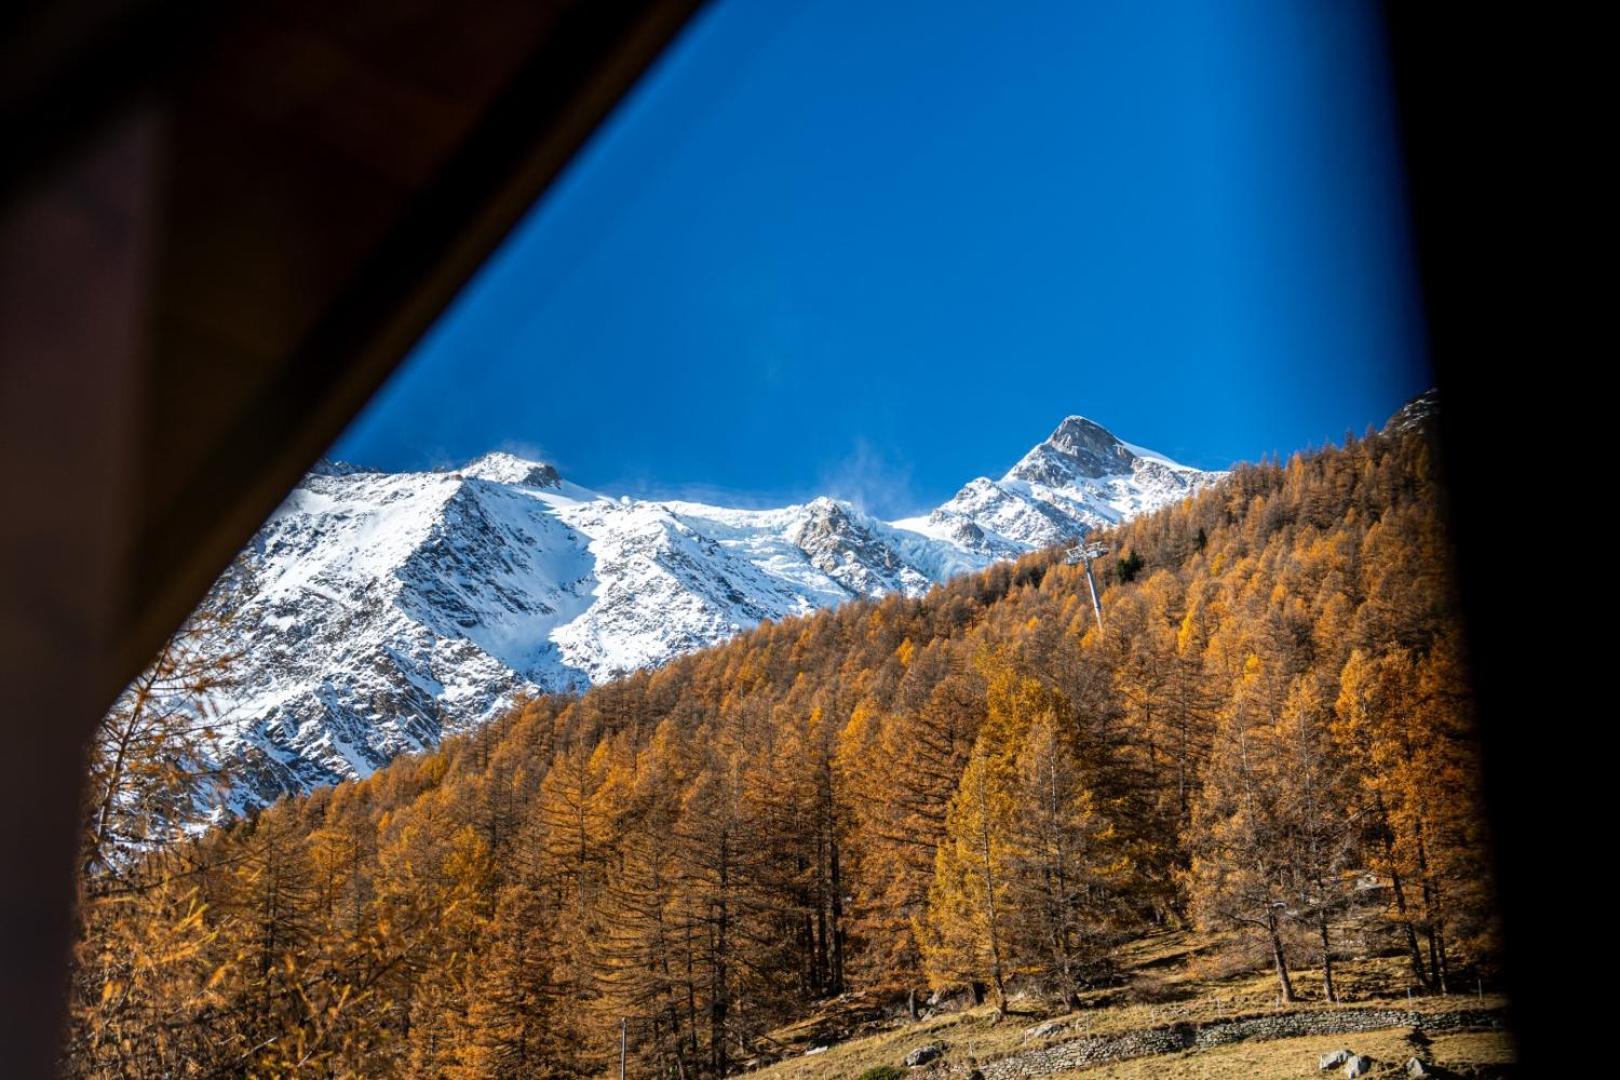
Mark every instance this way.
x=72 y=270
x=224 y=230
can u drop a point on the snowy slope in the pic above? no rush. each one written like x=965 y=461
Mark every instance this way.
x=1080 y=478
x=376 y=611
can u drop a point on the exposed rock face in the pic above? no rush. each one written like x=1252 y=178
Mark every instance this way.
x=1334 y=1060
x=1078 y=448
x=836 y=542
x=1416 y=414
x=922 y=1055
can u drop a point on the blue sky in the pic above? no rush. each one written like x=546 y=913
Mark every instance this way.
x=876 y=250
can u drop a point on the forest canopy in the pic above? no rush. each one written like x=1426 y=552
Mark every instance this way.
x=1270 y=735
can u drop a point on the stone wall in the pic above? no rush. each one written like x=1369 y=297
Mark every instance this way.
x=1096 y=1049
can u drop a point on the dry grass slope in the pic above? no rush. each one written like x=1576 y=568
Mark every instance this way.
x=1173 y=977
x=1467 y=1053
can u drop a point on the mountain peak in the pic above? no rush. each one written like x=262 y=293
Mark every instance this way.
x=1077 y=435
x=334 y=467
x=502 y=467
x=1078 y=422
x=1417 y=414
x=1078 y=448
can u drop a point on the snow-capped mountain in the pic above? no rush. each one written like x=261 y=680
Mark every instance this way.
x=1080 y=478
x=376 y=611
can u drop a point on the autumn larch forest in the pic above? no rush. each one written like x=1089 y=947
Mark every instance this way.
x=977 y=793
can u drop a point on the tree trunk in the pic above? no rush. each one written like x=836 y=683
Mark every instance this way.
x=837 y=921
x=1405 y=919
x=992 y=920
x=1327 y=964
x=1437 y=954
x=1286 y=985
x=719 y=990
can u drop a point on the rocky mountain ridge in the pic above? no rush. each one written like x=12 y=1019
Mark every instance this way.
x=376 y=611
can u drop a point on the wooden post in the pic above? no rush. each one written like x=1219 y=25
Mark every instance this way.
x=622 y=1046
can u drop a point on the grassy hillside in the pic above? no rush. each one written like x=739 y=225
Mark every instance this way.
x=1169 y=978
